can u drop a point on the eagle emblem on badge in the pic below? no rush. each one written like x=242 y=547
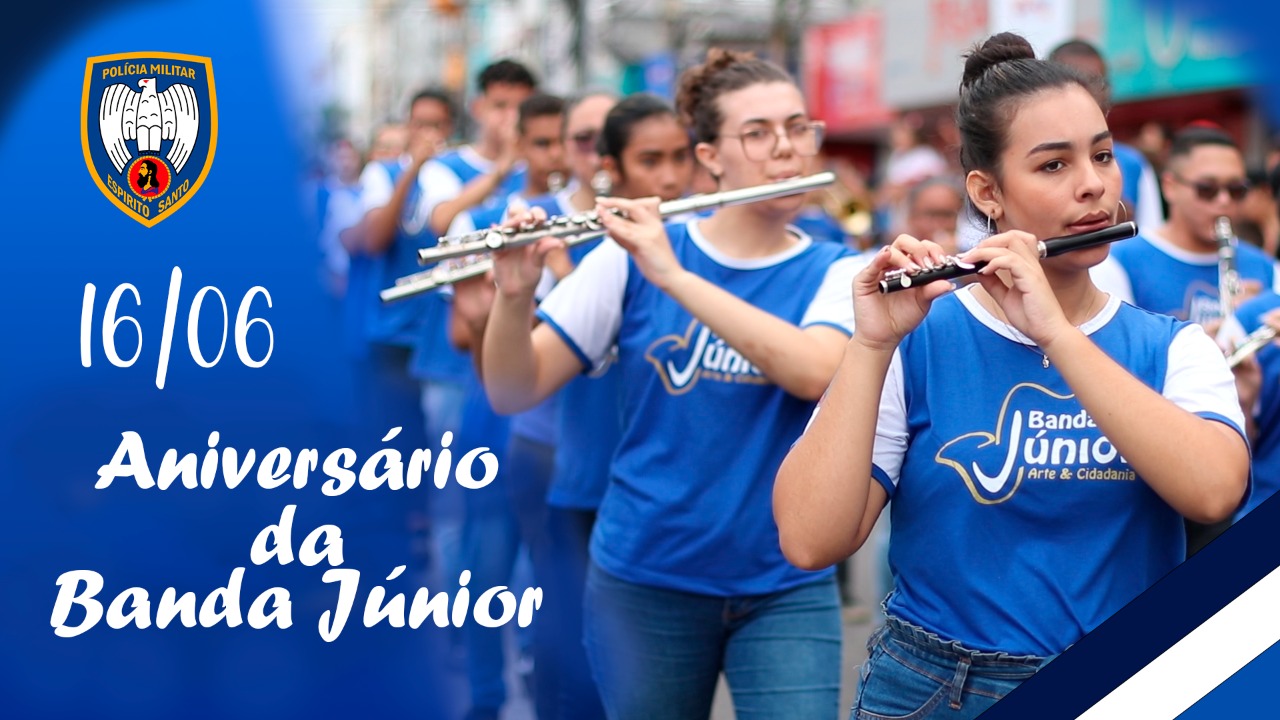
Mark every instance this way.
x=149 y=128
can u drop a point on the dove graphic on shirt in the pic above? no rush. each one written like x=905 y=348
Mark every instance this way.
x=682 y=360
x=1038 y=435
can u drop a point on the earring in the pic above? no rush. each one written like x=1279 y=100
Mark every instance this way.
x=1123 y=207
x=991 y=227
x=601 y=183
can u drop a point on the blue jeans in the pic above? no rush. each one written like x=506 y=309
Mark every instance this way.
x=912 y=674
x=441 y=405
x=568 y=537
x=528 y=474
x=657 y=653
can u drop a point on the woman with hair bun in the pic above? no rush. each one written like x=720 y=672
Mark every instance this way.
x=728 y=330
x=1034 y=497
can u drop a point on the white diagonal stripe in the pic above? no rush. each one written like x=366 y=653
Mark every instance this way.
x=1201 y=661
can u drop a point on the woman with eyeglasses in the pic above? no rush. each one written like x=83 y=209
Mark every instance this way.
x=1036 y=496
x=728 y=329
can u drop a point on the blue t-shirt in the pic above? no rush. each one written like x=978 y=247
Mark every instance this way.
x=688 y=506
x=1266 y=447
x=391 y=323
x=538 y=423
x=434 y=357
x=1171 y=281
x=819 y=225
x=589 y=425
x=1016 y=525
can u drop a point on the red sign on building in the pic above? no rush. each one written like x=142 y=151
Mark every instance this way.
x=842 y=68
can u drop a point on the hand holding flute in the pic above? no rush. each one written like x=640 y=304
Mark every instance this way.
x=637 y=227
x=881 y=320
x=508 y=236
x=954 y=267
x=1021 y=293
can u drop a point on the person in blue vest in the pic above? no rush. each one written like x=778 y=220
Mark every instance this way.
x=338 y=207
x=1174 y=269
x=531 y=448
x=510 y=512
x=459 y=190
x=727 y=330
x=382 y=246
x=644 y=149
x=1037 y=496
x=473 y=180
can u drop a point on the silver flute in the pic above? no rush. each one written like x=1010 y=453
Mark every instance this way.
x=574 y=229
x=483 y=241
x=454 y=271
x=1254 y=342
x=1228 y=275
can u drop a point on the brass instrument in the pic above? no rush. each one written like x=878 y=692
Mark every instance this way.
x=1228 y=275
x=575 y=229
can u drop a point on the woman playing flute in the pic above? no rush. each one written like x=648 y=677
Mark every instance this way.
x=728 y=329
x=1040 y=441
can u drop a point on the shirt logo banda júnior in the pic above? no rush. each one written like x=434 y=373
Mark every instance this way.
x=148 y=127
x=1039 y=435
x=699 y=354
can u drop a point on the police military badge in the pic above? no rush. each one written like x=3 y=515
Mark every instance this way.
x=148 y=126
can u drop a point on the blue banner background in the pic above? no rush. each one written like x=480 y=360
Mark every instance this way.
x=243 y=228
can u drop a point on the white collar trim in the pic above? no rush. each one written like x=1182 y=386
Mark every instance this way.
x=984 y=316
x=700 y=240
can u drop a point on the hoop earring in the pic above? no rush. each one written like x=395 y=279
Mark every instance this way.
x=1125 y=208
x=601 y=183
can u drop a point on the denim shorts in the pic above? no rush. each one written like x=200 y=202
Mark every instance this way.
x=912 y=674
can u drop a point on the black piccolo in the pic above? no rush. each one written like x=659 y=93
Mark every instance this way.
x=896 y=280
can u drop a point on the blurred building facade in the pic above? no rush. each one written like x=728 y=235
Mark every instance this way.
x=862 y=62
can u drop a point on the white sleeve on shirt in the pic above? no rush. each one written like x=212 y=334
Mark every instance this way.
x=833 y=303
x=375 y=186
x=586 y=307
x=1275 y=276
x=1198 y=379
x=438 y=184
x=1110 y=276
x=890 y=448
x=462 y=224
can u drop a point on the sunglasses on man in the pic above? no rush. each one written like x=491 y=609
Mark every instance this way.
x=1208 y=190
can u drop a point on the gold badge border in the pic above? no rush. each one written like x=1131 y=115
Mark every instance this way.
x=84 y=129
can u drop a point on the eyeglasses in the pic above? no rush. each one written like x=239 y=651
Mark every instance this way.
x=1208 y=190
x=585 y=140
x=759 y=143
